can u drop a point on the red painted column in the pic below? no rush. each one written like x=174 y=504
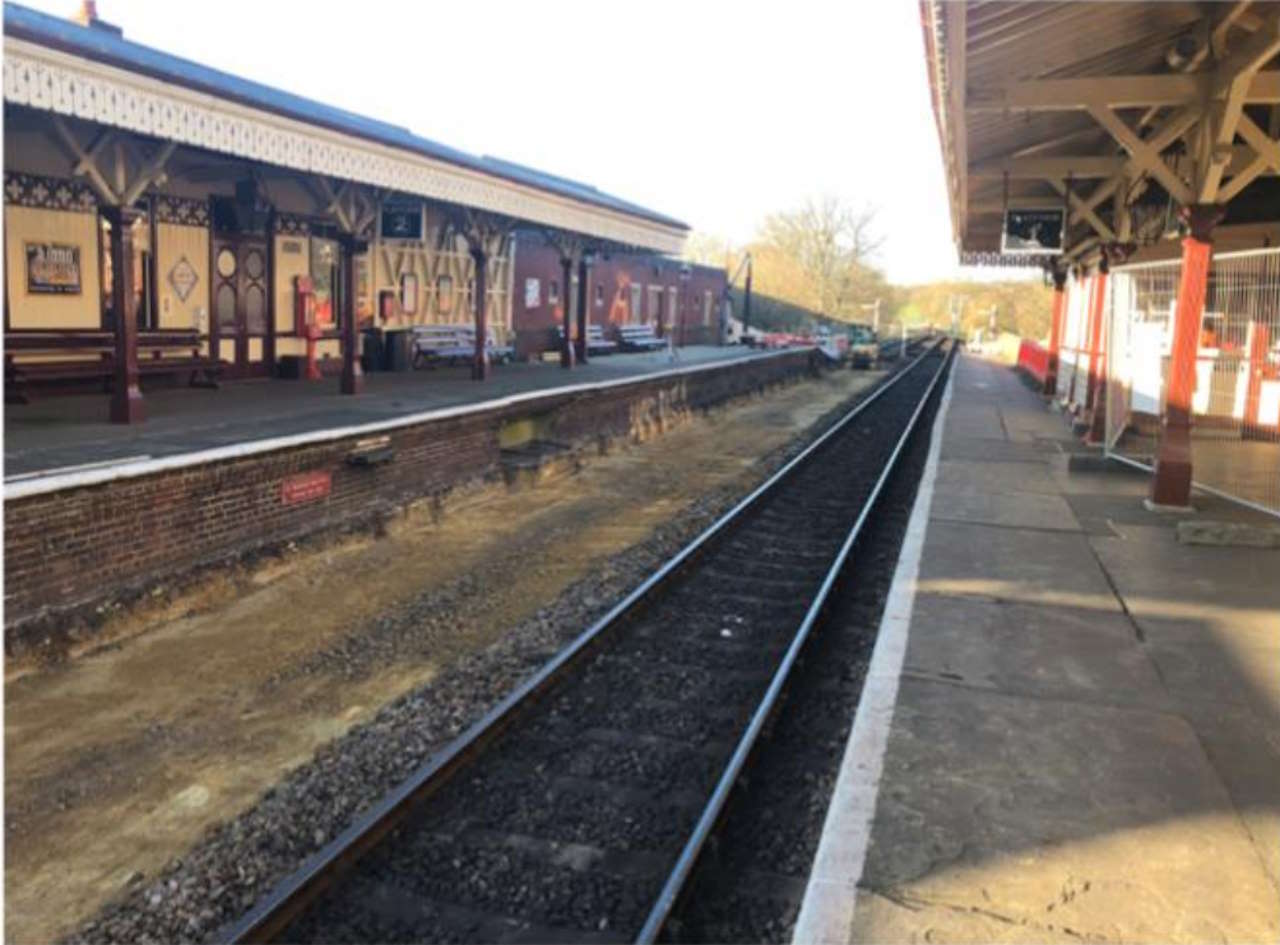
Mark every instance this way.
x=126 y=394
x=580 y=344
x=1260 y=339
x=566 y=347
x=1171 y=484
x=1080 y=332
x=352 y=375
x=1055 y=331
x=1095 y=340
x=480 y=303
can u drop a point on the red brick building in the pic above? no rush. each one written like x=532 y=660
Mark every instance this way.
x=667 y=293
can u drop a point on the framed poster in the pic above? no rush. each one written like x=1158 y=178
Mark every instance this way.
x=1032 y=232
x=53 y=269
x=364 y=303
x=532 y=292
x=408 y=293
x=401 y=221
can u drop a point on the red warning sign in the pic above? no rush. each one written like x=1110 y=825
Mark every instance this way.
x=306 y=487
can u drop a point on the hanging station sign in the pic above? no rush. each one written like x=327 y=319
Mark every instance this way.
x=401 y=221
x=53 y=269
x=1032 y=232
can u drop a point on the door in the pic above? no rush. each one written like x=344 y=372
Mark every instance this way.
x=240 y=304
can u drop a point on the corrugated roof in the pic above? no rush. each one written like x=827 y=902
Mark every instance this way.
x=107 y=47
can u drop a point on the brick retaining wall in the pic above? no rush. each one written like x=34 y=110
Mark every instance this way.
x=67 y=550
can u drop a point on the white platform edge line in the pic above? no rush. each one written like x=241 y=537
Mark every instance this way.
x=55 y=481
x=826 y=913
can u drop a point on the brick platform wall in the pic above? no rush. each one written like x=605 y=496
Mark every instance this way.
x=66 y=551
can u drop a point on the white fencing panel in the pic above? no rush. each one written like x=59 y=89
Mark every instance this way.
x=1236 y=403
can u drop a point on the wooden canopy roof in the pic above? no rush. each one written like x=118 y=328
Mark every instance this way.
x=1126 y=112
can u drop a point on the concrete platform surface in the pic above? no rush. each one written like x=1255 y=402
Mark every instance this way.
x=1085 y=743
x=60 y=432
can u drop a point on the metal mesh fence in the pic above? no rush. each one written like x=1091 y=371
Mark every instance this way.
x=1236 y=405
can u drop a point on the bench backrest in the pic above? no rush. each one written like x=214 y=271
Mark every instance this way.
x=636 y=332
x=594 y=332
x=449 y=337
x=95 y=340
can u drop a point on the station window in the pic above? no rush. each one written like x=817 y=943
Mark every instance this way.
x=144 y=287
x=553 y=292
x=599 y=295
x=408 y=293
x=326 y=257
x=444 y=295
x=637 y=300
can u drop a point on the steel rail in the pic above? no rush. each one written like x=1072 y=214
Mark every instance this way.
x=715 y=806
x=274 y=912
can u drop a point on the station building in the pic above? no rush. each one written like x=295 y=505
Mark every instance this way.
x=169 y=226
x=167 y=219
x=1152 y=130
x=674 y=297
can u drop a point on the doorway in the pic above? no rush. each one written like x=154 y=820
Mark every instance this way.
x=240 y=312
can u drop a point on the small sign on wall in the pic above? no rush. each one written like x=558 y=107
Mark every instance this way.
x=53 y=269
x=183 y=277
x=306 y=487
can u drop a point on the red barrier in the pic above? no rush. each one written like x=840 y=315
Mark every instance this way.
x=1034 y=359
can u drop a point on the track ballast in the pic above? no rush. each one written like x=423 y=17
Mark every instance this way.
x=576 y=809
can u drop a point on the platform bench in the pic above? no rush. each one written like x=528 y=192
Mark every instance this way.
x=639 y=338
x=453 y=344
x=19 y=376
x=597 y=343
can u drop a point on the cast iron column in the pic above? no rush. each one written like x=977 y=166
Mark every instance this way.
x=352 y=375
x=126 y=395
x=480 y=364
x=1055 y=332
x=1095 y=335
x=1171 y=484
x=746 y=302
x=566 y=346
x=1080 y=332
x=580 y=345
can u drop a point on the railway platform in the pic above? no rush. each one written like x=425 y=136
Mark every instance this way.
x=1068 y=730
x=60 y=432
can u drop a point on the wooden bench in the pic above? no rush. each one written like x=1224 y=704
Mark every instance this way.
x=19 y=376
x=597 y=343
x=639 y=338
x=452 y=344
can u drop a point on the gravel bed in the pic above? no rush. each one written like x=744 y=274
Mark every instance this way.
x=748 y=885
x=622 y=687
x=194 y=896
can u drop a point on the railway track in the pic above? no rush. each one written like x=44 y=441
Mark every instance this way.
x=576 y=809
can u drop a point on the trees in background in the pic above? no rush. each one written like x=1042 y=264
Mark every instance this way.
x=820 y=259
x=1021 y=307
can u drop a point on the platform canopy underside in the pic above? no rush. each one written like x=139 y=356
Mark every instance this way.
x=1122 y=114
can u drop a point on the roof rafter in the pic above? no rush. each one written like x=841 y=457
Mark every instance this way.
x=1116 y=91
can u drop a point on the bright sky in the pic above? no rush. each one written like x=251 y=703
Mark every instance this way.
x=717 y=113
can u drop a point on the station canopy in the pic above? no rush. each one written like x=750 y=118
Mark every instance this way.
x=1119 y=115
x=91 y=72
